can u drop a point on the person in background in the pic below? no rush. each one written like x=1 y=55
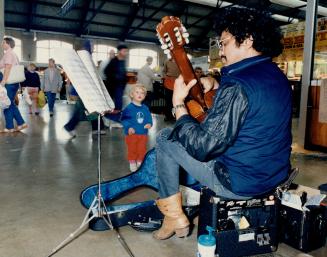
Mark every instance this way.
x=52 y=82
x=170 y=73
x=242 y=148
x=102 y=67
x=137 y=121
x=146 y=76
x=78 y=112
x=208 y=82
x=12 y=113
x=32 y=84
x=198 y=72
x=117 y=79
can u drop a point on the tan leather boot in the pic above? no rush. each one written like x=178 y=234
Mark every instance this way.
x=175 y=221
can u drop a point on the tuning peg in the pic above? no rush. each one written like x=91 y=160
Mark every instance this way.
x=166 y=51
x=169 y=56
x=164 y=46
x=187 y=40
x=185 y=35
x=179 y=39
x=183 y=29
x=169 y=45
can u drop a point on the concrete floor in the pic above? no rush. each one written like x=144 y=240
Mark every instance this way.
x=42 y=173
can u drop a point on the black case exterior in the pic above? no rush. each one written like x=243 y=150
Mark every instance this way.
x=262 y=214
x=304 y=230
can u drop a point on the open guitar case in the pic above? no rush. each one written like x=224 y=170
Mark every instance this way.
x=142 y=216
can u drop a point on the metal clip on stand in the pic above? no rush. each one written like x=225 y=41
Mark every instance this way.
x=98 y=210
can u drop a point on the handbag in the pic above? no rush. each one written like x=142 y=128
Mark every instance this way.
x=41 y=101
x=27 y=97
x=16 y=74
x=4 y=99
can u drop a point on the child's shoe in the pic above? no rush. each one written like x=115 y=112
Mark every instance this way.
x=133 y=166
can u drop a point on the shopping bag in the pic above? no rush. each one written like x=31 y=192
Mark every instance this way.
x=41 y=101
x=27 y=97
x=4 y=99
x=16 y=74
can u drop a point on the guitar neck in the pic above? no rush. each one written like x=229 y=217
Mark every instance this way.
x=188 y=74
x=183 y=64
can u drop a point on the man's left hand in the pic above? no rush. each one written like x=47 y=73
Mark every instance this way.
x=181 y=90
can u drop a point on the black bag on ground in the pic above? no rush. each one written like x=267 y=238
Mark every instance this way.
x=262 y=215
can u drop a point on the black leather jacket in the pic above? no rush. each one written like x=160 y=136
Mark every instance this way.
x=207 y=140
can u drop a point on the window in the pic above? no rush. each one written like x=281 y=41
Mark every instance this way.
x=18 y=47
x=101 y=52
x=137 y=57
x=45 y=49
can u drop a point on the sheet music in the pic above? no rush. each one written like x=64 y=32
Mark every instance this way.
x=84 y=77
x=89 y=64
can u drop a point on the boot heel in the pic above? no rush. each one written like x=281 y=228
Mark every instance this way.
x=182 y=232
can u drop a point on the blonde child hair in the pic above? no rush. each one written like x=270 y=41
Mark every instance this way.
x=136 y=86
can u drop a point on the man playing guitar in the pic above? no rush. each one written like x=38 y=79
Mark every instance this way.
x=241 y=148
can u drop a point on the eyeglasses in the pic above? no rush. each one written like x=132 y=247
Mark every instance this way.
x=221 y=42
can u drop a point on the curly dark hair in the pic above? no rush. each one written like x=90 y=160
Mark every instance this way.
x=244 y=22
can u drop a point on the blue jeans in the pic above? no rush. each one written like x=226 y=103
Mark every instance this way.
x=171 y=155
x=118 y=96
x=51 y=97
x=78 y=115
x=12 y=111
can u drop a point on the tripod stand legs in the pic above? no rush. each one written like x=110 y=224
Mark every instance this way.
x=77 y=232
x=98 y=210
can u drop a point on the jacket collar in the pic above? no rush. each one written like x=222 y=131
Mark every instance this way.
x=244 y=64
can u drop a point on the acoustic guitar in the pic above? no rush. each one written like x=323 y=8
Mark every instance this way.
x=173 y=36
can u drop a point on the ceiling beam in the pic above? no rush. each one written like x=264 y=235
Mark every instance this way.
x=106 y=24
x=31 y=11
x=203 y=35
x=88 y=22
x=134 y=9
x=118 y=2
x=84 y=12
x=150 y=16
x=93 y=22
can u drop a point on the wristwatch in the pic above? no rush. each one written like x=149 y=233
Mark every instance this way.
x=173 y=110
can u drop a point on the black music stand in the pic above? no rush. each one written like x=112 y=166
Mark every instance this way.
x=97 y=210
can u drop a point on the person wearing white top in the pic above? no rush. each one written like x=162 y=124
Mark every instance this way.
x=146 y=76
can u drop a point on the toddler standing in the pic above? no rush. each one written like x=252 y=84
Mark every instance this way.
x=137 y=120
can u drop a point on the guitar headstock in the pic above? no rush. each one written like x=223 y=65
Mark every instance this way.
x=172 y=34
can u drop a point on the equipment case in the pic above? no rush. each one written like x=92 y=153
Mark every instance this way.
x=261 y=213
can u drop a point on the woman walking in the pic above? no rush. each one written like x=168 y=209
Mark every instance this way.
x=9 y=60
x=32 y=84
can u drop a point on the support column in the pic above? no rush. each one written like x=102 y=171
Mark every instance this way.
x=308 y=62
x=2 y=22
